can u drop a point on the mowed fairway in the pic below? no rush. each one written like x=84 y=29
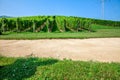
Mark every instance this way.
x=99 y=49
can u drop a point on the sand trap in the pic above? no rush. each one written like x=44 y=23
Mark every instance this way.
x=100 y=49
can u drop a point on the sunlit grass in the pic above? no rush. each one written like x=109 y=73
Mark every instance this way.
x=53 y=69
x=101 y=33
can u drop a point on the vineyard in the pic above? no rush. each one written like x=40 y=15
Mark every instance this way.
x=22 y=57
x=51 y=24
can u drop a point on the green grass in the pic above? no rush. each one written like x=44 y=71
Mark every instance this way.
x=53 y=69
x=97 y=27
x=100 y=32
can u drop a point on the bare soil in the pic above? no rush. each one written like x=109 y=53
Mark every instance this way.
x=99 y=49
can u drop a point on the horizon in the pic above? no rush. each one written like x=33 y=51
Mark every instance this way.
x=83 y=8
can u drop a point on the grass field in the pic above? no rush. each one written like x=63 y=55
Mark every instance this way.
x=53 y=69
x=100 y=32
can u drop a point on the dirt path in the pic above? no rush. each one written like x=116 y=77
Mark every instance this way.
x=101 y=49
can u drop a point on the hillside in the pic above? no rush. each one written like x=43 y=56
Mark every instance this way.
x=52 y=24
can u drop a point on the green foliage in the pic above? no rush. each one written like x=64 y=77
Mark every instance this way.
x=52 y=69
x=4 y=24
x=100 y=32
x=52 y=24
x=66 y=26
x=106 y=22
x=47 y=26
x=33 y=25
x=42 y=23
x=18 y=25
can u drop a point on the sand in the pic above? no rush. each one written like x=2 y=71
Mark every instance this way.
x=98 y=49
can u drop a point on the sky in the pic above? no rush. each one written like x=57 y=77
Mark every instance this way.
x=80 y=8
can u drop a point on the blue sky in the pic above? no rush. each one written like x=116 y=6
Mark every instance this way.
x=81 y=8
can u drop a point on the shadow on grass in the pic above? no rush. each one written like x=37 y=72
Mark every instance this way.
x=5 y=33
x=23 y=68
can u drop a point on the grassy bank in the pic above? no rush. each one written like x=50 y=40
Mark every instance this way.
x=52 y=69
x=99 y=32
